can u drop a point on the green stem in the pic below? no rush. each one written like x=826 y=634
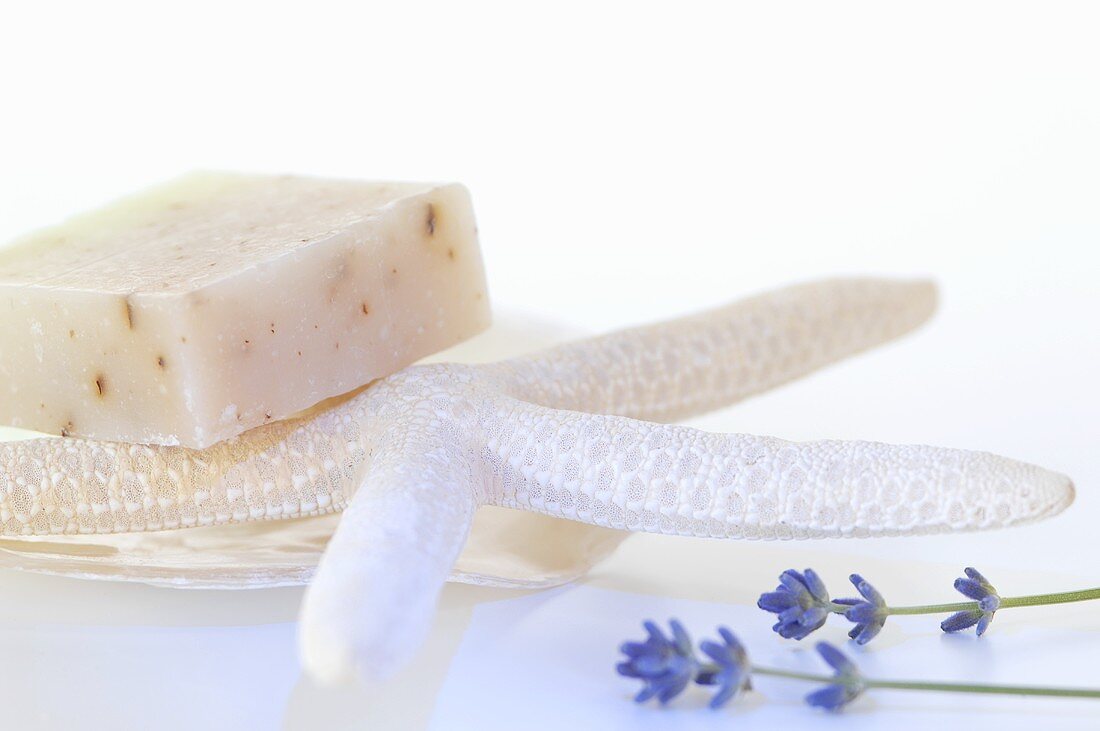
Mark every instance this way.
x=1030 y=690
x=934 y=608
x=817 y=677
x=1034 y=600
x=987 y=689
x=709 y=669
x=1064 y=597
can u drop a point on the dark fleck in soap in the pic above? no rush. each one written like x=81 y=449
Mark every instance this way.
x=210 y=305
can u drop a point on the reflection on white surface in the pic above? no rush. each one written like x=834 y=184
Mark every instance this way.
x=232 y=654
x=551 y=657
x=96 y=655
x=505 y=547
x=146 y=677
x=128 y=649
x=667 y=161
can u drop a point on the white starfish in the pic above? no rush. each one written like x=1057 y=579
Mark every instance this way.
x=411 y=458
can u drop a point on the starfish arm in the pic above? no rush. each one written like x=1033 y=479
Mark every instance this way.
x=372 y=600
x=286 y=469
x=683 y=367
x=622 y=473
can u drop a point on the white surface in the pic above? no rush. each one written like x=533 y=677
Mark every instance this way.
x=626 y=163
x=532 y=627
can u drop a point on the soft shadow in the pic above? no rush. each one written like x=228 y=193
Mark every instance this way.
x=407 y=700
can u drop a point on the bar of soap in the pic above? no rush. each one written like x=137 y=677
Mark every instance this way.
x=220 y=302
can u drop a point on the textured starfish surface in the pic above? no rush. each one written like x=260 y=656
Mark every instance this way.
x=574 y=432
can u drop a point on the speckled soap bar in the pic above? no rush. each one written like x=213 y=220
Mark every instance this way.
x=217 y=303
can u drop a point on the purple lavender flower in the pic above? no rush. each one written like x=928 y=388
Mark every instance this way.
x=848 y=682
x=666 y=665
x=978 y=588
x=869 y=615
x=732 y=673
x=800 y=602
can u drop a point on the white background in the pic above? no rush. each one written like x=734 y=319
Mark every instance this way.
x=628 y=162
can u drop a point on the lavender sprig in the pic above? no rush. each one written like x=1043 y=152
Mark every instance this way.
x=979 y=589
x=868 y=615
x=800 y=602
x=847 y=682
x=668 y=665
x=802 y=605
x=732 y=663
